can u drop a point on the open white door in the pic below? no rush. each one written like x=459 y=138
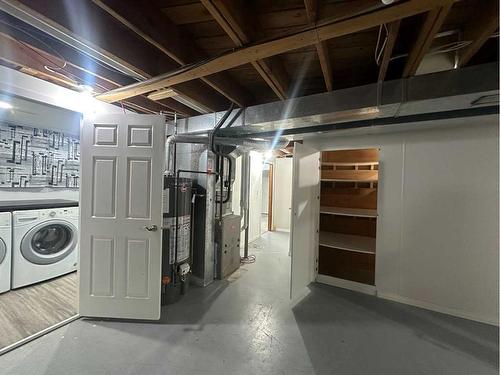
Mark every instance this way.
x=120 y=216
x=305 y=218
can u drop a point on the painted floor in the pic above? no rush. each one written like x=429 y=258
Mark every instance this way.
x=246 y=325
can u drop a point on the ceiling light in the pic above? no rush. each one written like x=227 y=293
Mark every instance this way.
x=191 y=104
x=486 y=99
x=5 y=105
x=86 y=88
x=387 y=2
x=162 y=94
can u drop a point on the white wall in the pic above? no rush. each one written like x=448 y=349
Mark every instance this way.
x=236 y=192
x=16 y=83
x=437 y=233
x=282 y=197
x=265 y=192
x=256 y=165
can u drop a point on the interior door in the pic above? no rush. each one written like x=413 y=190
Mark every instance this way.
x=120 y=216
x=305 y=219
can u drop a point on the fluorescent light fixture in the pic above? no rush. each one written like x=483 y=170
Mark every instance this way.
x=86 y=88
x=171 y=93
x=486 y=99
x=196 y=106
x=5 y=105
x=162 y=94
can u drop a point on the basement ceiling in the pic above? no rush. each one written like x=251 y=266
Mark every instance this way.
x=127 y=41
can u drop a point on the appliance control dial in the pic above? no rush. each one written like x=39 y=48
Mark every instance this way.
x=52 y=213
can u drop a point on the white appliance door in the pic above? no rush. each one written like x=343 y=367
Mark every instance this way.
x=305 y=219
x=120 y=216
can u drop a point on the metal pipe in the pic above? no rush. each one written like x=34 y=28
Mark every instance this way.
x=221 y=122
x=209 y=258
x=173 y=268
x=221 y=181
x=245 y=198
x=246 y=144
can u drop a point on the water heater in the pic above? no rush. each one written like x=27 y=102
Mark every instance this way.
x=177 y=194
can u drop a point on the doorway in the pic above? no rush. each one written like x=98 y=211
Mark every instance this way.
x=266 y=217
x=39 y=189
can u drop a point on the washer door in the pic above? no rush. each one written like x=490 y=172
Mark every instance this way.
x=49 y=242
x=3 y=250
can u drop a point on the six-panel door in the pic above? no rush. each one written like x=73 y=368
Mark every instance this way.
x=120 y=216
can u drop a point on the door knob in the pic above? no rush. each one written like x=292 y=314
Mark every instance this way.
x=151 y=228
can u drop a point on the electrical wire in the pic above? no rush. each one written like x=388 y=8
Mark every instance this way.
x=19 y=28
x=35 y=31
x=123 y=108
x=312 y=27
x=445 y=48
x=378 y=54
x=248 y=260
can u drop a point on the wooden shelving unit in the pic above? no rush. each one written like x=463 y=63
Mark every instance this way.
x=347 y=211
x=348 y=216
x=348 y=242
x=345 y=164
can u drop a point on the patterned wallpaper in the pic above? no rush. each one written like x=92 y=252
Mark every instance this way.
x=31 y=157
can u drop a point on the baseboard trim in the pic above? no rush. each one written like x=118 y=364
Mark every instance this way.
x=347 y=284
x=439 y=309
x=299 y=297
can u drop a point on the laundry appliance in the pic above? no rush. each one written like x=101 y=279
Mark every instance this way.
x=44 y=244
x=5 y=251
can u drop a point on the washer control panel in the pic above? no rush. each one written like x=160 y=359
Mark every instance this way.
x=27 y=217
x=58 y=213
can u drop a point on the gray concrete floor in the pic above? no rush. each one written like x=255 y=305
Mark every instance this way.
x=246 y=325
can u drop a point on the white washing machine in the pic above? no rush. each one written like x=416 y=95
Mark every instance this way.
x=5 y=250
x=44 y=244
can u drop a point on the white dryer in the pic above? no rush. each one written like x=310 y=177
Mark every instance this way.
x=5 y=250
x=44 y=244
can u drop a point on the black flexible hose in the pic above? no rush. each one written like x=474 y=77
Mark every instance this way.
x=211 y=138
x=221 y=122
x=229 y=160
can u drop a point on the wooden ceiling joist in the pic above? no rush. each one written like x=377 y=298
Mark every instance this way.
x=432 y=24
x=118 y=44
x=479 y=30
x=230 y=19
x=34 y=61
x=154 y=27
x=325 y=30
x=392 y=35
x=321 y=47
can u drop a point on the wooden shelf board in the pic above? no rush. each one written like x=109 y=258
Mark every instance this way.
x=348 y=242
x=359 y=212
x=345 y=180
x=346 y=164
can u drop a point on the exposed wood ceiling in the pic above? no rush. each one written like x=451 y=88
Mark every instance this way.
x=247 y=52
